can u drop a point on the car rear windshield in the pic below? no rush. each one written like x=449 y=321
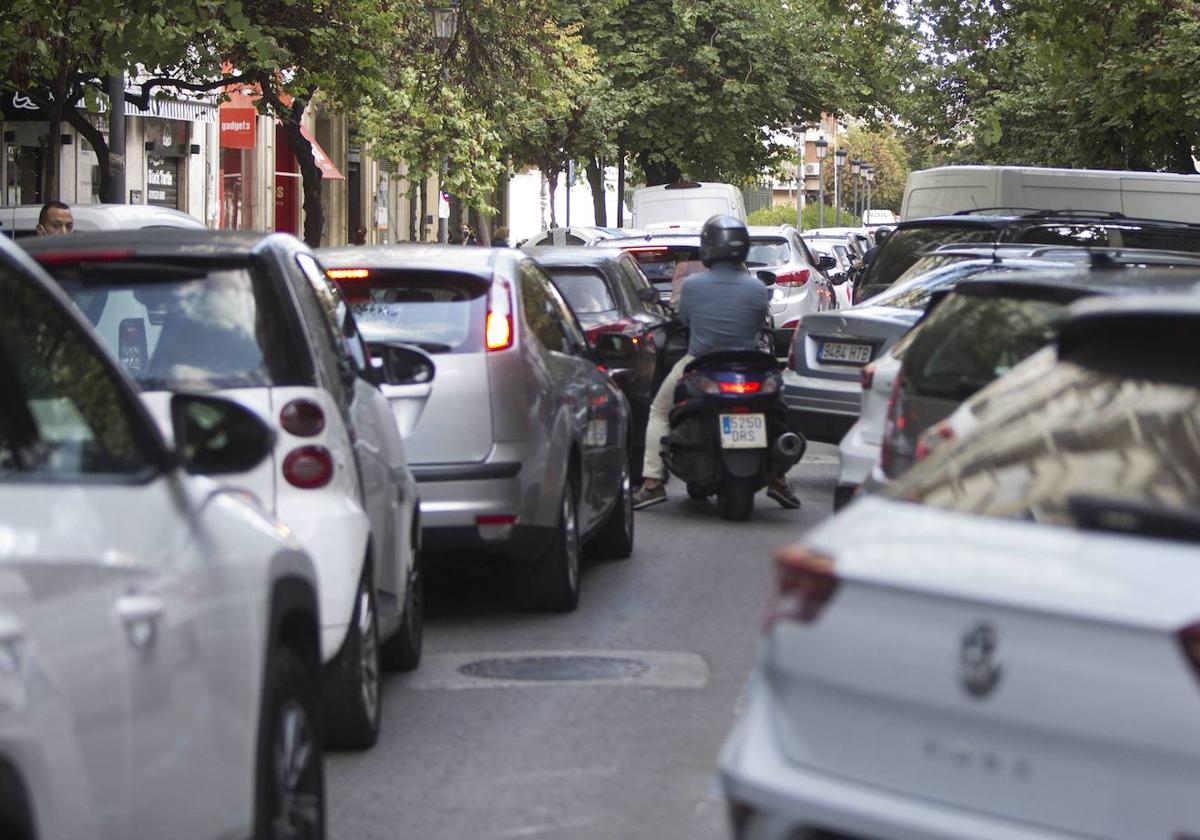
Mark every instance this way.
x=585 y=289
x=1042 y=455
x=969 y=340
x=906 y=245
x=768 y=252
x=187 y=325
x=658 y=261
x=1115 y=234
x=438 y=311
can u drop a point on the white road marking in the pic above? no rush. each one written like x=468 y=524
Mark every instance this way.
x=534 y=830
x=665 y=669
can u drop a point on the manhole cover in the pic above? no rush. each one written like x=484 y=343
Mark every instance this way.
x=555 y=668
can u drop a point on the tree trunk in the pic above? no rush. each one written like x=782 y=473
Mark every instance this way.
x=424 y=207
x=656 y=171
x=552 y=188
x=1184 y=162
x=482 y=227
x=595 y=176
x=310 y=173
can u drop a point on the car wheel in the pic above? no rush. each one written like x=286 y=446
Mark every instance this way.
x=289 y=775
x=402 y=652
x=737 y=499
x=353 y=681
x=551 y=582
x=697 y=492
x=615 y=540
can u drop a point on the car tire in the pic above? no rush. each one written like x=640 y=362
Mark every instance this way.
x=289 y=772
x=402 y=652
x=551 y=582
x=615 y=540
x=737 y=499
x=353 y=683
x=697 y=492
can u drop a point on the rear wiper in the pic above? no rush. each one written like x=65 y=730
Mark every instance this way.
x=1127 y=516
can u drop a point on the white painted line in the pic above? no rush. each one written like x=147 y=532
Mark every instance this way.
x=664 y=669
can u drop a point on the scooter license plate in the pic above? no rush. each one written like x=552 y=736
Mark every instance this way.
x=743 y=431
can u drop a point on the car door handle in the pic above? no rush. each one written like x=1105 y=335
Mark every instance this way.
x=140 y=614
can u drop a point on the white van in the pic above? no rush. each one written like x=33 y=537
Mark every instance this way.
x=21 y=220
x=685 y=205
x=1148 y=195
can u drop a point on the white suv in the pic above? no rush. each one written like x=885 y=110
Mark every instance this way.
x=253 y=318
x=159 y=650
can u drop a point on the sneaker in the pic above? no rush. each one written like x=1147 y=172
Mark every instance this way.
x=644 y=497
x=782 y=493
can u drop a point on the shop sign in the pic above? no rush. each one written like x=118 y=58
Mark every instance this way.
x=237 y=127
x=162 y=181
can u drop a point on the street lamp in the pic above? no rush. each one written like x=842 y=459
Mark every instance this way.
x=445 y=27
x=869 y=176
x=822 y=146
x=855 y=168
x=840 y=156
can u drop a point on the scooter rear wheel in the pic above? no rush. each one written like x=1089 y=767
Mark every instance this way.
x=737 y=499
x=697 y=492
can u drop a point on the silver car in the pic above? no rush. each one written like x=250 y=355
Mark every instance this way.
x=517 y=438
x=801 y=286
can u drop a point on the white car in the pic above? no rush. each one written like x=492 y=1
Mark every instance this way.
x=159 y=647
x=20 y=221
x=859 y=449
x=252 y=317
x=1006 y=645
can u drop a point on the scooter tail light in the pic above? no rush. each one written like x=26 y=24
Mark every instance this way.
x=302 y=418
x=309 y=467
x=805 y=582
x=752 y=387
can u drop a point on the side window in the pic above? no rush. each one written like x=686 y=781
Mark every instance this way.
x=337 y=313
x=63 y=414
x=637 y=281
x=332 y=358
x=541 y=306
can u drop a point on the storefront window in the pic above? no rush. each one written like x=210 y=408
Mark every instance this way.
x=237 y=193
x=167 y=146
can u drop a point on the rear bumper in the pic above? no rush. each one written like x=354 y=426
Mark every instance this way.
x=525 y=543
x=821 y=409
x=777 y=800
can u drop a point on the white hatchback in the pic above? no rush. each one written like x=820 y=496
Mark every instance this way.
x=1007 y=646
x=159 y=648
x=253 y=318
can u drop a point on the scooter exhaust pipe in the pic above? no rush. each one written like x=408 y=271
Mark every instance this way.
x=789 y=448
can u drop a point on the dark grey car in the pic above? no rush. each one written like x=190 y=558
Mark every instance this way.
x=518 y=441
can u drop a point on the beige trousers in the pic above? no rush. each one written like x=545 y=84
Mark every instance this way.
x=659 y=423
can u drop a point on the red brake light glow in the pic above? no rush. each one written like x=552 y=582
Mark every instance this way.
x=739 y=387
x=499 y=328
x=348 y=273
x=70 y=257
x=805 y=582
x=308 y=467
x=792 y=279
x=302 y=418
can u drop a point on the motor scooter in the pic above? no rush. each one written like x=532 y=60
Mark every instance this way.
x=729 y=433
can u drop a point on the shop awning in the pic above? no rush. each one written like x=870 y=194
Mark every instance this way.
x=328 y=169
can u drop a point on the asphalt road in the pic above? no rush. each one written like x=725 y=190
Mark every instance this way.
x=620 y=741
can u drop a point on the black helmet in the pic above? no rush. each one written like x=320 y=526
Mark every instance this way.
x=724 y=238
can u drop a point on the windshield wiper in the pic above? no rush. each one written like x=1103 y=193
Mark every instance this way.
x=1127 y=516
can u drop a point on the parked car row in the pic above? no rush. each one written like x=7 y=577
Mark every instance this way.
x=226 y=462
x=997 y=638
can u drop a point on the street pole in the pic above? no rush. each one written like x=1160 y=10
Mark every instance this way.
x=570 y=183
x=620 y=188
x=822 y=148
x=116 y=139
x=870 y=176
x=800 y=192
x=854 y=168
x=839 y=161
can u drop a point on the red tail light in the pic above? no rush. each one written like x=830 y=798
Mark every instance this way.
x=792 y=278
x=894 y=428
x=867 y=376
x=804 y=584
x=739 y=387
x=69 y=257
x=302 y=418
x=308 y=467
x=499 y=329
x=926 y=443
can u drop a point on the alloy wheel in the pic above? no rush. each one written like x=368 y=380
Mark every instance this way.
x=298 y=814
x=368 y=652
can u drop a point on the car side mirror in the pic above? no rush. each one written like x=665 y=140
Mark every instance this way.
x=403 y=364
x=826 y=262
x=216 y=436
x=614 y=350
x=648 y=295
x=767 y=277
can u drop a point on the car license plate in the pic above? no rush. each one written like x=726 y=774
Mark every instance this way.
x=743 y=431
x=839 y=351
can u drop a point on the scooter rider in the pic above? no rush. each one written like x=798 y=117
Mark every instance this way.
x=724 y=309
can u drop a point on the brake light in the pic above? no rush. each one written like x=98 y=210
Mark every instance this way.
x=894 y=428
x=348 y=273
x=805 y=582
x=302 y=418
x=69 y=257
x=792 y=278
x=739 y=387
x=308 y=467
x=648 y=249
x=499 y=329
x=929 y=441
x=866 y=376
